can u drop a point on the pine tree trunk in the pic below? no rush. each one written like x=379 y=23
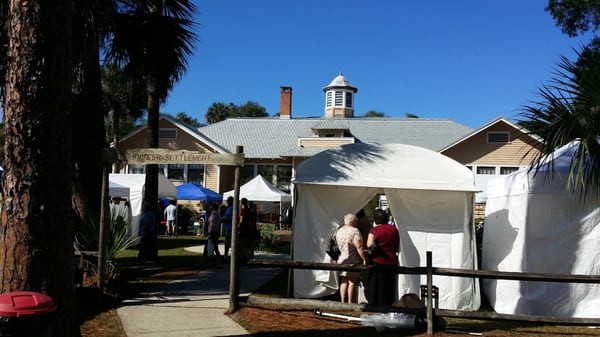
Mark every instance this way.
x=36 y=237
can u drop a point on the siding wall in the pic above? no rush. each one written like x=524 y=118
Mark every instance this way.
x=477 y=151
x=184 y=141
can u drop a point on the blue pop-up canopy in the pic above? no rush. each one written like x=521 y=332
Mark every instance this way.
x=191 y=191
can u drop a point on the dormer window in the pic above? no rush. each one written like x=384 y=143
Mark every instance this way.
x=167 y=133
x=498 y=137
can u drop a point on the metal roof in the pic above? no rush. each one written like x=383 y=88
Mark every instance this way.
x=275 y=138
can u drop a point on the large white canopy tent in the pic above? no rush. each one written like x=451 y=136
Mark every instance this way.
x=135 y=183
x=430 y=196
x=268 y=198
x=533 y=225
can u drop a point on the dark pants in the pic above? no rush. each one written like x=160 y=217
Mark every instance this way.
x=214 y=238
x=148 y=248
x=382 y=288
x=227 y=242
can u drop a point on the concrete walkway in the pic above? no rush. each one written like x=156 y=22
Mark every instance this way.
x=194 y=306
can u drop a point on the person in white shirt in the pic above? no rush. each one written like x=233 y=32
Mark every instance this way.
x=170 y=215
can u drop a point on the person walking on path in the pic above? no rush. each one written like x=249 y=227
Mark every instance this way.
x=170 y=215
x=350 y=242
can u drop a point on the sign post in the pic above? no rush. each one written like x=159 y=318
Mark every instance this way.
x=164 y=156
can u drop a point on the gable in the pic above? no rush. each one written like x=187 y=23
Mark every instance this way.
x=485 y=146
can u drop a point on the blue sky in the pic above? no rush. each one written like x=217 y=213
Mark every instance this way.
x=469 y=61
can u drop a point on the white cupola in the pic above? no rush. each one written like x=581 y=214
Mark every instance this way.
x=339 y=98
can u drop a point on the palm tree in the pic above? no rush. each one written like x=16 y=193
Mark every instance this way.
x=569 y=109
x=153 y=38
x=217 y=112
x=123 y=98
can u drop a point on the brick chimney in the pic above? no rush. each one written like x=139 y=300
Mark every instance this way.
x=285 y=109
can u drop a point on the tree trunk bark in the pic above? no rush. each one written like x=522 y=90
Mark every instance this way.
x=36 y=236
x=88 y=131
x=151 y=186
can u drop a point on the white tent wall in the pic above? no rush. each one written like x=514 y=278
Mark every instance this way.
x=135 y=183
x=532 y=225
x=430 y=195
x=447 y=231
x=315 y=219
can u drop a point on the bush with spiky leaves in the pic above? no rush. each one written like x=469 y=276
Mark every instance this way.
x=116 y=240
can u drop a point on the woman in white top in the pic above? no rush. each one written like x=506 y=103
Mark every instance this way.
x=350 y=241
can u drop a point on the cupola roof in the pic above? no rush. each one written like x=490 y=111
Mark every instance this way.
x=340 y=82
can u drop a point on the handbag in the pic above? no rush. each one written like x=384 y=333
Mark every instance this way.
x=375 y=250
x=333 y=250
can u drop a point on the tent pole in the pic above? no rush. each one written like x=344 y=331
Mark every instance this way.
x=429 y=269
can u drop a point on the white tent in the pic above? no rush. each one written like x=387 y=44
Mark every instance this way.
x=117 y=190
x=135 y=183
x=429 y=194
x=533 y=225
x=268 y=198
x=259 y=189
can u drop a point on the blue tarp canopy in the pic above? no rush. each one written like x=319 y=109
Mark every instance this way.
x=192 y=191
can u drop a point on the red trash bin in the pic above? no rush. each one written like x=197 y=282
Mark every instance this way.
x=25 y=313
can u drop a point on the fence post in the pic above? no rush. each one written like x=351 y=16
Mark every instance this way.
x=429 y=270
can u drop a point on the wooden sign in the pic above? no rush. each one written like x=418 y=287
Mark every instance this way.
x=162 y=156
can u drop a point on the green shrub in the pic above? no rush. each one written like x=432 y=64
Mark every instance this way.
x=268 y=243
x=115 y=240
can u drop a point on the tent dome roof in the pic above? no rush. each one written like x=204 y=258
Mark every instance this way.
x=398 y=166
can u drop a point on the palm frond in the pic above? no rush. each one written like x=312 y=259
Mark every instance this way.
x=568 y=110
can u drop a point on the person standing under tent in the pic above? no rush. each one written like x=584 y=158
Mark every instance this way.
x=383 y=242
x=350 y=242
x=170 y=215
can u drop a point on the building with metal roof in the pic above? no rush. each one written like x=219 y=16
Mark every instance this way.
x=274 y=146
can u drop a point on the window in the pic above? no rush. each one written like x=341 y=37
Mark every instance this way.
x=196 y=174
x=284 y=177
x=486 y=170
x=348 y=99
x=329 y=99
x=246 y=174
x=135 y=168
x=339 y=98
x=498 y=137
x=267 y=171
x=508 y=170
x=167 y=134
x=175 y=172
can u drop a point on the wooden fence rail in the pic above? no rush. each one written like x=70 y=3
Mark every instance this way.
x=429 y=270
